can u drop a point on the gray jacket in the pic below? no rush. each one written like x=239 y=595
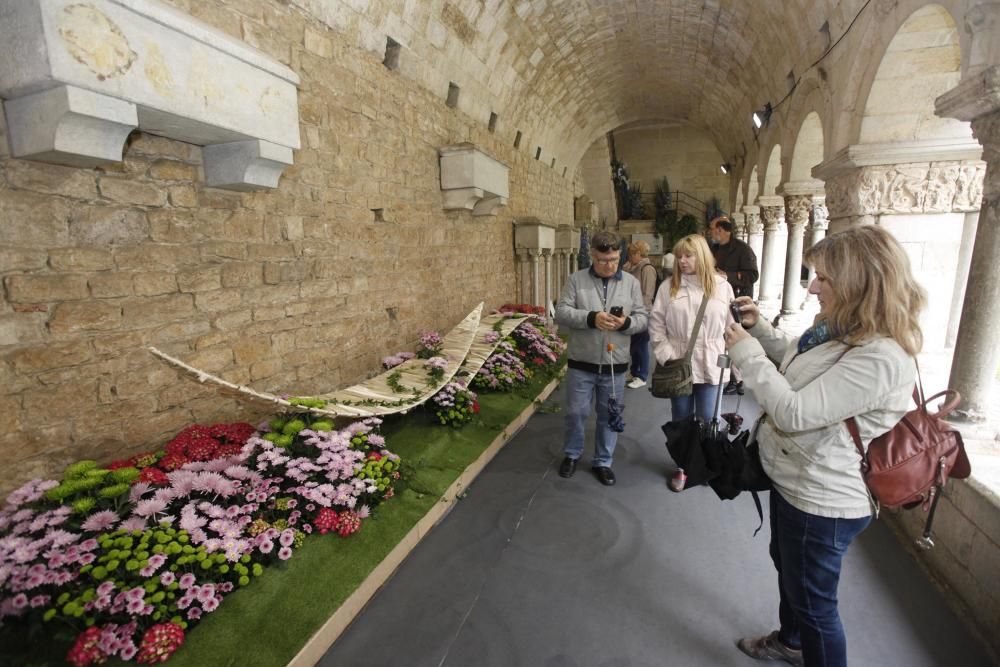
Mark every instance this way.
x=580 y=302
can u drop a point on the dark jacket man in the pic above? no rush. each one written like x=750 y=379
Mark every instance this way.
x=733 y=257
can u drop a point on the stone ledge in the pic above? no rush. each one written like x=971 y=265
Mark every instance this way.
x=77 y=78
x=472 y=180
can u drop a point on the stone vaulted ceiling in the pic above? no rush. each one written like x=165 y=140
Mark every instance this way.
x=566 y=71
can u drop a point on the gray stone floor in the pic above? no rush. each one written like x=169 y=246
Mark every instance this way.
x=532 y=569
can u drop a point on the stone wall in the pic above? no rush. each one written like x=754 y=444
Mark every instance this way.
x=304 y=288
x=966 y=557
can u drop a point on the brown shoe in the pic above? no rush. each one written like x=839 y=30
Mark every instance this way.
x=769 y=647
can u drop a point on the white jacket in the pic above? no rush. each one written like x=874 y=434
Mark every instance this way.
x=805 y=447
x=672 y=319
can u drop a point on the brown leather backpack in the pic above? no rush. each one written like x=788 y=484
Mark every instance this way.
x=910 y=464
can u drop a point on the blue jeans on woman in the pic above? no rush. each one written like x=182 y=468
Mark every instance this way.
x=808 y=551
x=702 y=401
x=640 y=355
x=583 y=388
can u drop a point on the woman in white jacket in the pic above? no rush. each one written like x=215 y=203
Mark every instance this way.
x=855 y=361
x=672 y=320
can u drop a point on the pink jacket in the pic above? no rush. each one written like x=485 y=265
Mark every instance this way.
x=672 y=319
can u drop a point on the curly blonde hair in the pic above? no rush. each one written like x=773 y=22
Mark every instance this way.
x=874 y=290
x=697 y=246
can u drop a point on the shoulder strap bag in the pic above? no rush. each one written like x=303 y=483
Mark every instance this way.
x=909 y=465
x=674 y=379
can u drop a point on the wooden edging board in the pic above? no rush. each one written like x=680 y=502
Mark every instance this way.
x=324 y=638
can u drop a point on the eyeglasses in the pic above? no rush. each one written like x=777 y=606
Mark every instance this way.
x=604 y=247
x=607 y=262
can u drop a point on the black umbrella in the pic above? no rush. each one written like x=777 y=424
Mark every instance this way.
x=704 y=451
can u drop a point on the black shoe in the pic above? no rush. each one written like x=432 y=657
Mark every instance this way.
x=567 y=467
x=739 y=388
x=605 y=475
x=733 y=388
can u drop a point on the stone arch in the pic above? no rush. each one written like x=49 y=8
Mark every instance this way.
x=922 y=61
x=772 y=172
x=740 y=196
x=807 y=149
x=877 y=32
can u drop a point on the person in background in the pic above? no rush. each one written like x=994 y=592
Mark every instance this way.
x=737 y=263
x=642 y=270
x=672 y=320
x=601 y=307
x=857 y=360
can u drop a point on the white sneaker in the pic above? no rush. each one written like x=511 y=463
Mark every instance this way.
x=636 y=383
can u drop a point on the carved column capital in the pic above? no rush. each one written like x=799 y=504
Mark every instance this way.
x=797 y=209
x=753 y=221
x=820 y=220
x=772 y=211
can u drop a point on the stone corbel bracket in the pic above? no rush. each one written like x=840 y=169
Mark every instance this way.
x=567 y=238
x=533 y=234
x=472 y=180
x=76 y=78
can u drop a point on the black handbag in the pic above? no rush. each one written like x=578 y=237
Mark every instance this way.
x=675 y=378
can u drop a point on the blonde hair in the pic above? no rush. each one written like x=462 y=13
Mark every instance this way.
x=874 y=290
x=697 y=246
x=640 y=247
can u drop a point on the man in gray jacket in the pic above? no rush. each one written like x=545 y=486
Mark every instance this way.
x=600 y=308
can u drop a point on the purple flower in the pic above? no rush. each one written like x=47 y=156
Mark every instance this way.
x=128 y=651
x=134 y=523
x=167 y=578
x=287 y=537
x=210 y=605
x=284 y=553
x=194 y=613
x=187 y=580
x=266 y=546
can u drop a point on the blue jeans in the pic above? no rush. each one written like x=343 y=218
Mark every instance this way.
x=807 y=551
x=581 y=389
x=640 y=355
x=703 y=398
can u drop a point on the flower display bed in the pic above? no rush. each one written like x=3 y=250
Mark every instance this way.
x=297 y=608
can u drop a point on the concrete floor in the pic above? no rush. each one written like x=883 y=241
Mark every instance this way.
x=532 y=569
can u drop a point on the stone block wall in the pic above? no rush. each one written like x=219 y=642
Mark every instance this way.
x=303 y=289
x=966 y=556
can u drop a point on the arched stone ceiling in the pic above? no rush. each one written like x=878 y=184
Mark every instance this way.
x=566 y=71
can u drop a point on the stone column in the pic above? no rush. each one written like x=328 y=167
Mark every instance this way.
x=815 y=232
x=524 y=259
x=772 y=260
x=961 y=277
x=796 y=215
x=755 y=237
x=536 y=296
x=740 y=223
x=977 y=99
x=547 y=287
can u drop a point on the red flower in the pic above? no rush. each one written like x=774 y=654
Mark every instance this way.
x=348 y=522
x=85 y=651
x=153 y=476
x=120 y=463
x=475 y=406
x=375 y=455
x=173 y=461
x=326 y=520
x=159 y=643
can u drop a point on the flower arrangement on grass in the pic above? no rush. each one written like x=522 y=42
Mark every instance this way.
x=430 y=345
x=456 y=404
x=134 y=576
x=538 y=345
x=503 y=370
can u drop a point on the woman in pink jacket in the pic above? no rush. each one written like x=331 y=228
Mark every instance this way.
x=672 y=320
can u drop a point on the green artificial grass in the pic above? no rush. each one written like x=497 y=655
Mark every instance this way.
x=269 y=621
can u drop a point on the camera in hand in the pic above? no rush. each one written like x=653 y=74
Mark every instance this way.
x=734 y=308
x=616 y=311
